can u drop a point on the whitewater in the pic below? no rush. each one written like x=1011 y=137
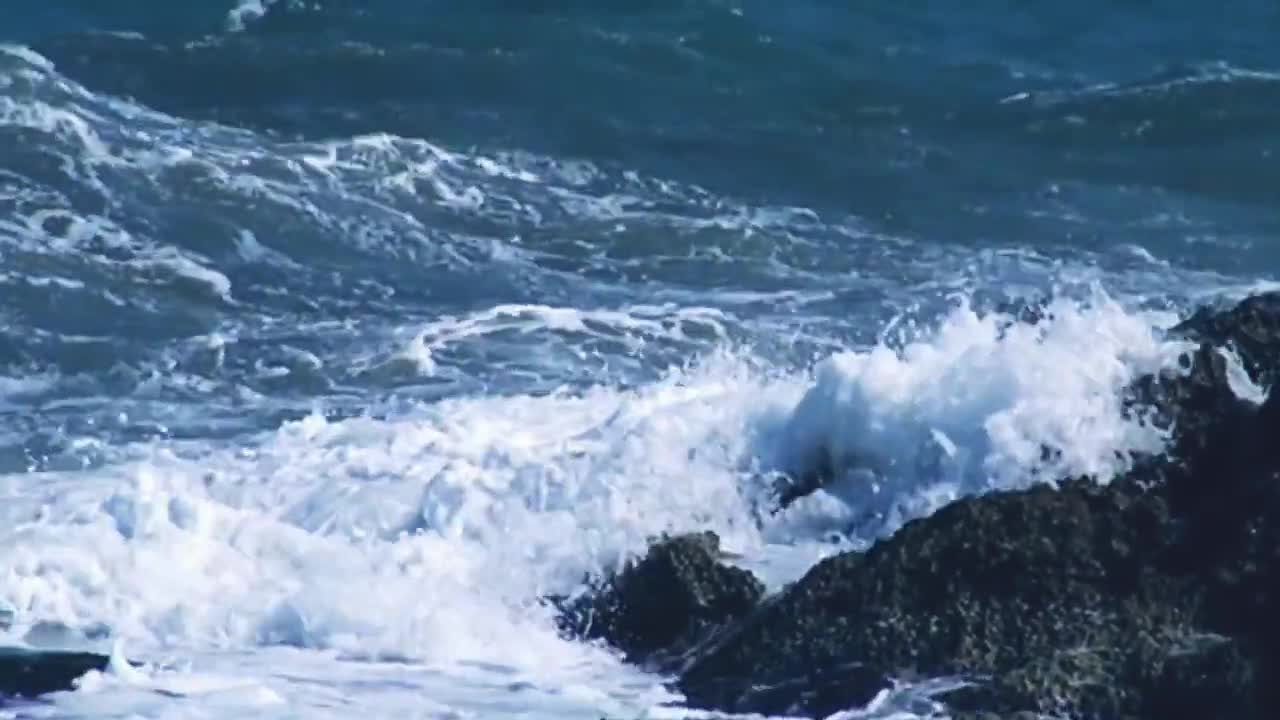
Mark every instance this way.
x=310 y=427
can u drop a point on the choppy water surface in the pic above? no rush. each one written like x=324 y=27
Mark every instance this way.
x=334 y=335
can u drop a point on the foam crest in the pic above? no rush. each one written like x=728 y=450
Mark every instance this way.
x=377 y=193
x=460 y=516
x=245 y=12
x=977 y=403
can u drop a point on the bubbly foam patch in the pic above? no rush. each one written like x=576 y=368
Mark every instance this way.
x=977 y=404
x=245 y=12
x=426 y=538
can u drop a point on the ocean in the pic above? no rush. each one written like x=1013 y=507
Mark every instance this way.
x=336 y=335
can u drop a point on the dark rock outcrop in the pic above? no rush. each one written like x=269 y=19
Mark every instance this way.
x=1251 y=328
x=1194 y=403
x=818 y=692
x=31 y=673
x=1050 y=593
x=1149 y=596
x=667 y=600
x=1212 y=678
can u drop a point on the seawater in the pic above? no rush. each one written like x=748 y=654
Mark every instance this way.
x=335 y=335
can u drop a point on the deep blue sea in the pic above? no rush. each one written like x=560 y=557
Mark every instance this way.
x=336 y=334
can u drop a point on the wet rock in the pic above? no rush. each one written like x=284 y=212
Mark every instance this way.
x=1216 y=473
x=31 y=673
x=1251 y=328
x=1221 y=480
x=1178 y=673
x=1194 y=402
x=1237 y=547
x=1007 y=586
x=668 y=599
x=816 y=692
x=1210 y=679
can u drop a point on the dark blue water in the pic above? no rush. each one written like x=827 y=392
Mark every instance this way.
x=699 y=174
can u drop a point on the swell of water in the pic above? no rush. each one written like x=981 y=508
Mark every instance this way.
x=428 y=536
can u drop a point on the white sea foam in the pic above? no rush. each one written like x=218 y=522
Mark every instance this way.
x=179 y=266
x=978 y=404
x=632 y=325
x=13 y=388
x=245 y=12
x=530 y=338
x=429 y=536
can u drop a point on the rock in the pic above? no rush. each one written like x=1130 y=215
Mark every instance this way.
x=1210 y=679
x=1240 y=571
x=818 y=692
x=1251 y=328
x=31 y=673
x=1222 y=482
x=1194 y=403
x=1215 y=473
x=666 y=600
x=1049 y=592
x=1183 y=674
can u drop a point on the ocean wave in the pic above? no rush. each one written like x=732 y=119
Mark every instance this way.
x=168 y=232
x=773 y=107
x=336 y=336
x=464 y=512
x=501 y=477
x=247 y=11
x=982 y=403
x=1200 y=104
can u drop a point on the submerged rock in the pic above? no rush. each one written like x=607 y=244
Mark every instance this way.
x=31 y=673
x=676 y=593
x=1148 y=597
